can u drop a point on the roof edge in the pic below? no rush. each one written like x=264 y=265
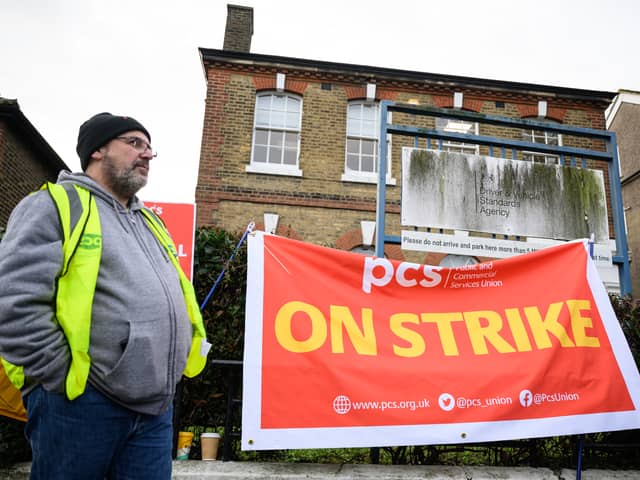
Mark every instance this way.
x=10 y=110
x=209 y=54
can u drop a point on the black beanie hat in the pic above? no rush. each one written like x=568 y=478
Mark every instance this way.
x=99 y=130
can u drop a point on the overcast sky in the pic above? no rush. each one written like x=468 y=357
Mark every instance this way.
x=65 y=60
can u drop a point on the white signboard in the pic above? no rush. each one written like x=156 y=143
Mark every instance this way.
x=495 y=195
x=498 y=248
x=486 y=247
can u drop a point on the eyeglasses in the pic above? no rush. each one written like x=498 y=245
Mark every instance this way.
x=139 y=144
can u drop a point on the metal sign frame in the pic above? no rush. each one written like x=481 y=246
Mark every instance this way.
x=569 y=156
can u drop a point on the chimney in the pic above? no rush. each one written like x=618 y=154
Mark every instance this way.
x=237 y=34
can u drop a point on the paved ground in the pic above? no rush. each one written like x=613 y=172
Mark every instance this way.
x=198 y=470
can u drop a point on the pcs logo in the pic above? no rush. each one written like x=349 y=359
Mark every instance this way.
x=90 y=241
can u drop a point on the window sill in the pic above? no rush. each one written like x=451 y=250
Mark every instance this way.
x=274 y=170
x=359 y=178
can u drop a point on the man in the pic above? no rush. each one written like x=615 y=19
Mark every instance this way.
x=97 y=320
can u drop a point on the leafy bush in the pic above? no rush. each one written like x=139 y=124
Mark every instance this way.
x=628 y=313
x=203 y=399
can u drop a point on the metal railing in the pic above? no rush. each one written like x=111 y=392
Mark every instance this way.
x=569 y=156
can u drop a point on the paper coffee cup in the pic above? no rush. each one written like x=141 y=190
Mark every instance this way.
x=184 y=445
x=209 y=443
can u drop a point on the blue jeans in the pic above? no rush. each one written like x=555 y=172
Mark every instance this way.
x=93 y=438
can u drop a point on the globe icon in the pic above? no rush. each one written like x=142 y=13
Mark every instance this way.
x=341 y=404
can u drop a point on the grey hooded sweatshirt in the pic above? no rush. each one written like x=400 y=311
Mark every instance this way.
x=140 y=329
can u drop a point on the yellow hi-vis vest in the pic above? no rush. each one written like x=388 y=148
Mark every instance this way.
x=82 y=249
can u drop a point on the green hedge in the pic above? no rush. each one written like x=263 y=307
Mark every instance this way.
x=202 y=401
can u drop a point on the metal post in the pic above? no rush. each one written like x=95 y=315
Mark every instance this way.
x=622 y=248
x=580 y=448
x=381 y=199
x=581 y=436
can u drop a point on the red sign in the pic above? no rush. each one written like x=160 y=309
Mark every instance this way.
x=180 y=219
x=344 y=350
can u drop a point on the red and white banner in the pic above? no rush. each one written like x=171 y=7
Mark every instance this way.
x=180 y=220
x=343 y=350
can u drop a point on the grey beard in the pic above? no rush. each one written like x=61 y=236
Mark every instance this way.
x=124 y=183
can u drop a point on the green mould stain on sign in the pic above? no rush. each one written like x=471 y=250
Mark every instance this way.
x=502 y=196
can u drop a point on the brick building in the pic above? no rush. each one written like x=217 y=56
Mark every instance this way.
x=295 y=141
x=26 y=159
x=623 y=117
